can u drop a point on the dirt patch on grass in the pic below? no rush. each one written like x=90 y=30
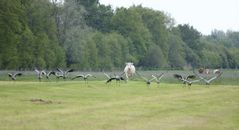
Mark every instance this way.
x=41 y=101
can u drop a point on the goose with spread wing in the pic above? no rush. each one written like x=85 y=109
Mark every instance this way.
x=158 y=78
x=147 y=81
x=117 y=78
x=13 y=76
x=40 y=73
x=208 y=81
x=186 y=80
x=85 y=77
x=64 y=74
x=49 y=74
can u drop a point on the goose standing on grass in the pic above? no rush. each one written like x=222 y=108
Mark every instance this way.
x=13 y=76
x=85 y=77
x=64 y=74
x=186 y=80
x=208 y=81
x=40 y=74
x=158 y=78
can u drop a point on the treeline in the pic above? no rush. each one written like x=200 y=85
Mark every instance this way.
x=87 y=35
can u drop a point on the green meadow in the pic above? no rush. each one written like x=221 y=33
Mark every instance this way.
x=65 y=105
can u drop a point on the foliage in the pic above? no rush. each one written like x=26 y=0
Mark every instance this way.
x=87 y=35
x=176 y=55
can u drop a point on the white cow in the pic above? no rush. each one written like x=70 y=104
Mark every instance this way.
x=129 y=70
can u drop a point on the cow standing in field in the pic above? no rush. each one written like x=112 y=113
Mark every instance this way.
x=129 y=70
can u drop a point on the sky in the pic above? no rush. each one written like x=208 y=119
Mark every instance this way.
x=204 y=15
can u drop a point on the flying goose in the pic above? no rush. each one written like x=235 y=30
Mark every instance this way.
x=208 y=81
x=40 y=74
x=49 y=74
x=186 y=80
x=147 y=81
x=85 y=77
x=14 y=75
x=158 y=78
x=58 y=75
x=64 y=74
x=117 y=78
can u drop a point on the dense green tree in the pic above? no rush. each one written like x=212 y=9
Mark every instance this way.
x=12 y=27
x=74 y=34
x=157 y=23
x=176 y=55
x=154 y=58
x=211 y=59
x=87 y=35
x=42 y=24
x=190 y=36
x=129 y=23
x=103 y=52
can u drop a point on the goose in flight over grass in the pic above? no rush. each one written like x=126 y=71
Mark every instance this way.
x=40 y=74
x=85 y=77
x=186 y=80
x=158 y=78
x=117 y=78
x=147 y=81
x=64 y=74
x=49 y=74
x=58 y=75
x=13 y=76
x=208 y=81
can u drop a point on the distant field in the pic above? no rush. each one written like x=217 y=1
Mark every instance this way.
x=68 y=105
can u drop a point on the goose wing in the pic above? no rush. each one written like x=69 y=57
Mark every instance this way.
x=142 y=77
x=9 y=74
x=160 y=76
x=60 y=70
x=43 y=72
x=205 y=80
x=150 y=80
x=37 y=71
x=177 y=76
x=215 y=77
x=155 y=78
x=191 y=77
x=70 y=70
x=89 y=75
x=194 y=81
x=107 y=75
x=109 y=80
x=18 y=74
x=50 y=73
x=78 y=76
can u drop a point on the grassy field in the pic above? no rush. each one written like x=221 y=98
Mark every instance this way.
x=132 y=106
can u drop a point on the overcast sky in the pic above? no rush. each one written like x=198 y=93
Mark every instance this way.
x=204 y=15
